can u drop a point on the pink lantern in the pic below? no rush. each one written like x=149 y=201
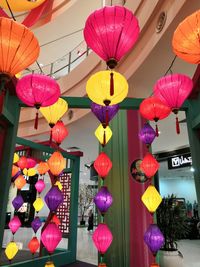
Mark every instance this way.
x=37 y=90
x=31 y=163
x=102 y=238
x=40 y=185
x=14 y=224
x=173 y=90
x=51 y=237
x=111 y=32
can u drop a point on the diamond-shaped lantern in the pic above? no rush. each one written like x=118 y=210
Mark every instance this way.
x=11 y=250
x=103 y=134
x=102 y=238
x=38 y=204
x=102 y=165
x=17 y=202
x=36 y=223
x=151 y=198
x=14 y=224
x=149 y=165
x=40 y=185
x=103 y=199
x=154 y=238
x=147 y=134
x=54 y=198
x=33 y=245
x=20 y=182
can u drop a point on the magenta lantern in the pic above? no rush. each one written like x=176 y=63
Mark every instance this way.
x=111 y=32
x=37 y=90
x=31 y=163
x=102 y=238
x=173 y=90
x=40 y=185
x=51 y=237
x=14 y=224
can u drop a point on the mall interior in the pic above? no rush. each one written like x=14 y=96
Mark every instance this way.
x=99 y=133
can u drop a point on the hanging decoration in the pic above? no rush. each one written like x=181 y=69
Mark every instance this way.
x=56 y=163
x=54 y=198
x=102 y=165
x=40 y=185
x=36 y=224
x=15 y=173
x=56 y=220
x=33 y=245
x=59 y=132
x=154 y=238
x=23 y=5
x=22 y=163
x=153 y=109
x=151 y=198
x=103 y=134
x=38 y=204
x=49 y=264
x=42 y=168
x=11 y=250
x=20 y=182
x=14 y=224
x=136 y=171
x=29 y=170
x=103 y=200
x=37 y=90
x=173 y=90
x=149 y=165
x=185 y=40
x=147 y=134
x=17 y=202
x=15 y=158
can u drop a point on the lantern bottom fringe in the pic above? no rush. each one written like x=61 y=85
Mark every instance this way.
x=157 y=132
x=177 y=126
x=111 y=84
x=36 y=121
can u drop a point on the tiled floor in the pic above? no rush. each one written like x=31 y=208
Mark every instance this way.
x=191 y=252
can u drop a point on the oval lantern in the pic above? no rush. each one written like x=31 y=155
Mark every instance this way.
x=147 y=134
x=103 y=134
x=153 y=109
x=37 y=90
x=23 y=5
x=40 y=185
x=185 y=41
x=42 y=168
x=151 y=199
x=38 y=204
x=54 y=198
x=31 y=163
x=102 y=165
x=103 y=199
x=49 y=264
x=15 y=173
x=11 y=250
x=20 y=182
x=33 y=245
x=22 y=163
x=173 y=90
x=56 y=163
x=17 y=202
x=36 y=224
x=149 y=165
x=59 y=132
x=14 y=224
x=154 y=238
x=111 y=32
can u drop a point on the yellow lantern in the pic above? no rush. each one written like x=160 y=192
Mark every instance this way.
x=54 y=112
x=20 y=5
x=38 y=204
x=98 y=88
x=151 y=198
x=59 y=185
x=56 y=163
x=15 y=158
x=11 y=250
x=29 y=172
x=103 y=134
x=49 y=264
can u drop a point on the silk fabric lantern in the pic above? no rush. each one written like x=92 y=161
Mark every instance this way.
x=49 y=264
x=153 y=109
x=173 y=90
x=102 y=165
x=147 y=134
x=15 y=173
x=15 y=158
x=11 y=250
x=149 y=165
x=22 y=163
x=56 y=220
x=42 y=168
x=51 y=237
x=102 y=265
x=59 y=132
x=102 y=238
x=103 y=134
x=56 y=163
x=36 y=224
x=20 y=182
x=103 y=199
x=40 y=185
x=14 y=224
x=151 y=198
x=33 y=245
x=29 y=172
x=154 y=238
x=23 y=5
x=17 y=202
x=31 y=163
x=54 y=198
x=111 y=32
x=185 y=40
x=154 y=265
x=38 y=204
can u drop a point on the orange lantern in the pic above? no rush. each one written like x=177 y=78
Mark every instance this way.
x=185 y=40
x=20 y=182
x=102 y=265
x=42 y=167
x=56 y=163
x=15 y=170
x=154 y=265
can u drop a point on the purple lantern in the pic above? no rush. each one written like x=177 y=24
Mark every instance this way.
x=54 y=198
x=147 y=134
x=104 y=113
x=17 y=202
x=154 y=238
x=14 y=224
x=103 y=199
x=36 y=223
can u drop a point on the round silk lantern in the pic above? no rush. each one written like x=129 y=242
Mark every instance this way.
x=17 y=202
x=185 y=40
x=14 y=224
x=151 y=198
x=147 y=134
x=103 y=164
x=104 y=113
x=49 y=264
x=42 y=168
x=154 y=238
x=59 y=132
x=111 y=32
x=54 y=198
x=36 y=224
x=173 y=90
x=51 y=237
x=56 y=163
x=20 y=182
x=37 y=90
x=149 y=165
x=102 y=238
x=103 y=199
x=11 y=250
x=154 y=109
x=23 y=5
x=103 y=134
x=22 y=163
x=40 y=185
x=33 y=245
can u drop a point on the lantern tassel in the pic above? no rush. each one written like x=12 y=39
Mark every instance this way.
x=36 y=121
x=104 y=138
x=50 y=138
x=157 y=133
x=111 y=84
x=177 y=126
x=107 y=117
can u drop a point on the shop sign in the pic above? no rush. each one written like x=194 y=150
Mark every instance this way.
x=180 y=161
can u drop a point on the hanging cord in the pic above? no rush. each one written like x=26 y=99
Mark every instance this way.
x=171 y=65
x=12 y=15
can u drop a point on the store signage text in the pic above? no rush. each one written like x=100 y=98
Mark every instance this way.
x=180 y=161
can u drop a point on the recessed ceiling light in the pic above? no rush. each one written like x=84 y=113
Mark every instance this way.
x=192 y=169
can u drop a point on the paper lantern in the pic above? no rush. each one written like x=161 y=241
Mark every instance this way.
x=37 y=90
x=14 y=224
x=51 y=237
x=59 y=185
x=36 y=224
x=185 y=40
x=149 y=165
x=11 y=250
x=147 y=134
x=154 y=238
x=54 y=198
x=103 y=199
x=56 y=220
x=151 y=198
x=59 y=132
x=154 y=109
x=103 y=134
x=15 y=172
x=49 y=264
x=54 y=112
x=111 y=32
x=40 y=185
x=56 y=163
x=34 y=245
x=102 y=265
x=173 y=90
x=42 y=168
x=22 y=163
x=15 y=158
x=154 y=265
x=31 y=163
x=102 y=238
x=103 y=164
x=38 y=204
x=98 y=88
x=104 y=113
x=20 y=182
x=17 y=202
x=29 y=172
x=19 y=47
x=23 y=5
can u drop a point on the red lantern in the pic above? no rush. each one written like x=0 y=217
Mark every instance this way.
x=22 y=163
x=149 y=165
x=33 y=245
x=56 y=220
x=59 y=132
x=103 y=164
x=153 y=109
x=102 y=238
